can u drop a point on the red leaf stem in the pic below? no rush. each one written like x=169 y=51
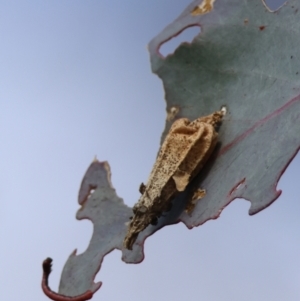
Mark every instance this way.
x=47 y=264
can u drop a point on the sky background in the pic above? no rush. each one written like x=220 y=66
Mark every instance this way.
x=75 y=82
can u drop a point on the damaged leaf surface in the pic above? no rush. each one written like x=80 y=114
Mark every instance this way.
x=110 y=216
x=247 y=59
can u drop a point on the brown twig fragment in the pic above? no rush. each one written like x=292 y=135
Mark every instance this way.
x=183 y=153
x=47 y=264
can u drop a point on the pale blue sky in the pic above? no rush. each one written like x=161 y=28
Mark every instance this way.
x=76 y=82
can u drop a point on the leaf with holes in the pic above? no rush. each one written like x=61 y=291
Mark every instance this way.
x=110 y=216
x=247 y=59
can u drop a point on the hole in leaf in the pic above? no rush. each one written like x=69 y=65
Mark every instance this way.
x=172 y=112
x=91 y=192
x=274 y=4
x=224 y=110
x=187 y=36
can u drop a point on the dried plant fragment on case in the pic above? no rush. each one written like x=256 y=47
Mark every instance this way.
x=198 y=195
x=183 y=153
